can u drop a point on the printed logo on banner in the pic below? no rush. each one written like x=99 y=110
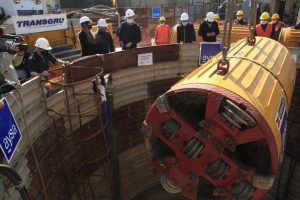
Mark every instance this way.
x=10 y=134
x=156 y=12
x=208 y=50
x=281 y=121
x=39 y=23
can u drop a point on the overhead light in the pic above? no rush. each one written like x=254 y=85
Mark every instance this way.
x=38 y=1
x=16 y=1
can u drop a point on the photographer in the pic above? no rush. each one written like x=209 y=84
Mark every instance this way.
x=38 y=62
x=9 y=56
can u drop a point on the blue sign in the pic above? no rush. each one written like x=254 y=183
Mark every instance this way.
x=57 y=6
x=10 y=135
x=156 y=12
x=208 y=50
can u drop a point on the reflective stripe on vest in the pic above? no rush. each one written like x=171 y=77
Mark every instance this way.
x=162 y=34
x=262 y=33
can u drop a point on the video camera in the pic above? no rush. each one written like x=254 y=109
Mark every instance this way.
x=15 y=39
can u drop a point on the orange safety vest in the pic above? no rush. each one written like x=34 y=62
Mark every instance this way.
x=262 y=33
x=162 y=34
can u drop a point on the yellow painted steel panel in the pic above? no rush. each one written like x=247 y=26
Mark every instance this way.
x=289 y=37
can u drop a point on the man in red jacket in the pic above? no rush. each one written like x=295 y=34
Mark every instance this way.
x=162 y=32
x=277 y=23
x=264 y=28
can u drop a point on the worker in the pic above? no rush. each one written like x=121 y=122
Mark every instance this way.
x=277 y=23
x=240 y=18
x=162 y=32
x=86 y=37
x=8 y=73
x=39 y=61
x=129 y=32
x=10 y=55
x=209 y=29
x=264 y=28
x=217 y=19
x=185 y=30
x=221 y=9
x=104 y=41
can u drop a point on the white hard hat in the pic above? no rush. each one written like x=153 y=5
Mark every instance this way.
x=84 y=19
x=129 y=13
x=102 y=23
x=210 y=16
x=184 y=16
x=42 y=43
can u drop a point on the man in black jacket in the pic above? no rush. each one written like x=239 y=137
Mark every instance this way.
x=185 y=30
x=209 y=29
x=39 y=61
x=240 y=18
x=104 y=41
x=86 y=37
x=129 y=32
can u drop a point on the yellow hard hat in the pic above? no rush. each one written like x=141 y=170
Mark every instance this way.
x=162 y=18
x=216 y=17
x=240 y=13
x=275 y=16
x=265 y=16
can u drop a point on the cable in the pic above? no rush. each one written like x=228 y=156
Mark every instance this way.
x=14 y=177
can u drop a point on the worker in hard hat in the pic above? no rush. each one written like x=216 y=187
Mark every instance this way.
x=104 y=41
x=185 y=30
x=277 y=23
x=129 y=32
x=162 y=32
x=240 y=18
x=217 y=19
x=264 y=28
x=39 y=61
x=209 y=29
x=86 y=37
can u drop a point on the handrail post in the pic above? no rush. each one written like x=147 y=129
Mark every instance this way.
x=112 y=140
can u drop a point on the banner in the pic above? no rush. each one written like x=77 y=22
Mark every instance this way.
x=10 y=134
x=39 y=23
x=208 y=50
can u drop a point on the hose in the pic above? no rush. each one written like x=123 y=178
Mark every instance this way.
x=14 y=177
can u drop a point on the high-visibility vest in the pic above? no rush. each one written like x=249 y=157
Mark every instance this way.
x=278 y=25
x=262 y=33
x=162 y=34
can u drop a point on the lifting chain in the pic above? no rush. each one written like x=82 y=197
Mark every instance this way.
x=223 y=64
x=251 y=40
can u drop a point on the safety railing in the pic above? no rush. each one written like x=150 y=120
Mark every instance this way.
x=83 y=140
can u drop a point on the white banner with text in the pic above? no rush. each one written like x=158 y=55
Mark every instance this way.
x=39 y=23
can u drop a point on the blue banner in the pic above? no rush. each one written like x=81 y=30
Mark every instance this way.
x=156 y=12
x=10 y=134
x=208 y=50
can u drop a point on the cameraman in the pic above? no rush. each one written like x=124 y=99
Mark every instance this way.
x=38 y=62
x=10 y=56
